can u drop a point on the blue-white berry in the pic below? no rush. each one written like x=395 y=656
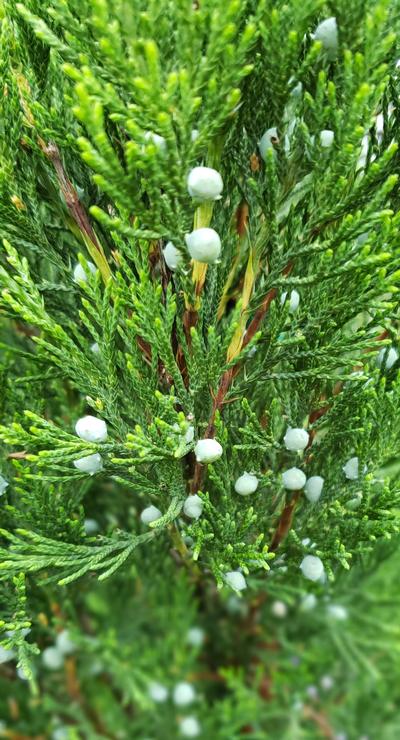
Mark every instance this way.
x=189 y=727
x=312 y=567
x=189 y=434
x=21 y=674
x=204 y=245
x=6 y=654
x=193 y=506
x=267 y=141
x=91 y=429
x=308 y=602
x=24 y=632
x=351 y=468
x=60 y=733
x=150 y=514
x=313 y=488
x=91 y=526
x=337 y=611
x=158 y=692
x=52 y=658
x=205 y=183
x=279 y=609
x=293 y=479
x=236 y=580
x=296 y=439
x=327 y=33
x=183 y=694
x=327 y=683
x=81 y=274
x=64 y=644
x=207 y=450
x=294 y=300
x=173 y=257
x=195 y=636
x=3 y=485
x=326 y=138
x=312 y=692
x=246 y=484
x=90 y=464
x=158 y=141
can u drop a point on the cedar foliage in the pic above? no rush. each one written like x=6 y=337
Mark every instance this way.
x=88 y=87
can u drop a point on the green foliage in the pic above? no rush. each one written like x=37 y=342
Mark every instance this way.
x=106 y=106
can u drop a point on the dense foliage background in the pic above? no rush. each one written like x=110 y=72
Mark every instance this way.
x=145 y=591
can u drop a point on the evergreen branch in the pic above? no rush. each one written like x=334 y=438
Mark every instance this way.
x=30 y=552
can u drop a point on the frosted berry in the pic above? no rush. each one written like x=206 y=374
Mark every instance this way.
x=81 y=274
x=91 y=429
x=158 y=141
x=294 y=300
x=326 y=138
x=64 y=643
x=204 y=245
x=189 y=727
x=205 y=183
x=327 y=33
x=3 y=485
x=60 y=733
x=350 y=469
x=6 y=655
x=158 y=692
x=193 y=506
x=150 y=514
x=236 y=580
x=89 y=464
x=246 y=484
x=296 y=439
x=327 y=683
x=52 y=658
x=267 y=141
x=308 y=602
x=337 y=611
x=22 y=675
x=91 y=526
x=189 y=435
x=172 y=255
x=312 y=692
x=313 y=488
x=207 y=450
x=183 y=694
x=293 y=479
x=195 y=636
x=312 y=567
x=279 y=609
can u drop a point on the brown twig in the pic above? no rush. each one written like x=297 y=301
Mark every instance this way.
x=320 y=720
x=285 y=522
x=76 y=209
x=17 y=736
x=263 y=309
x=17 y=455
x=71 y=197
